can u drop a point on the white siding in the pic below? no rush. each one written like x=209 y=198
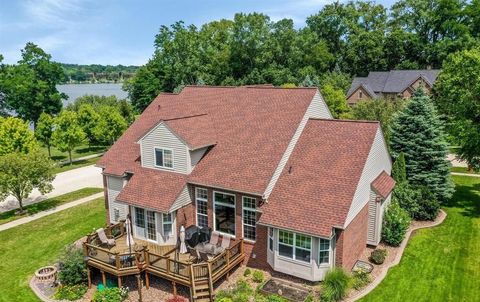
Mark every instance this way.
x=316 y=109
x=381 y=213
x=182 y=200
x=114 y=186
x=195 y=157
x=162 y=137
x=377 y=161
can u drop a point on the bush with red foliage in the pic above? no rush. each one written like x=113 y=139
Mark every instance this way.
x=177 y=299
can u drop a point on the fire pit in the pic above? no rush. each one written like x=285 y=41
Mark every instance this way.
x=46 y=274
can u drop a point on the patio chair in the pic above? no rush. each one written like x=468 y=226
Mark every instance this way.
x=194 y=255
x=205 y=257
x=214 y=239
x=225 y=242
x=110 y=242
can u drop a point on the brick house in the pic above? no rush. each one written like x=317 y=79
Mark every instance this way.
x=267 y=165
x=391 y=84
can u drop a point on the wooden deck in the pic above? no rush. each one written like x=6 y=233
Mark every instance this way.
x=161 y=261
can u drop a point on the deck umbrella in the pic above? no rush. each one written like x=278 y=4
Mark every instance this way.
x=183 y=247
x=130 y=241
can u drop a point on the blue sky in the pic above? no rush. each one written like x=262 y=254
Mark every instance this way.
x=120 y=31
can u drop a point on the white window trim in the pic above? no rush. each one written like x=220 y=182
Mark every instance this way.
x=166 y=223
x=294 y=247
x=226 y=205
x=196 y=205
x=145 y=236
x=243 y=215
x=155 y=158
x=325 y=264
x=272 y=237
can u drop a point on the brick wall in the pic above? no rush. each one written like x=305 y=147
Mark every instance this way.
x=359 y=94
x=352 y=241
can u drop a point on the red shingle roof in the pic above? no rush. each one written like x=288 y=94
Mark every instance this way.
x=383 y=184
x=316 y=188
x=152 y=189
x=245 y=120
x=198 y=131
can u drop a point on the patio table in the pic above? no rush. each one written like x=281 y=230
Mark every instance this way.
x=209 y=248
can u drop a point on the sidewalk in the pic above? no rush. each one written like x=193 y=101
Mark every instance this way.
x=65 y=162
x=466 y=174
x=65 y=182
x=38 y=215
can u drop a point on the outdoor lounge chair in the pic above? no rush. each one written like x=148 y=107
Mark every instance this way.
x=205 y=257
x=194 y=256
x=104 y=239
x=225 y=242
x=214 y=239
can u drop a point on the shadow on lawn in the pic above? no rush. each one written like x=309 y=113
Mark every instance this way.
x=466 y=198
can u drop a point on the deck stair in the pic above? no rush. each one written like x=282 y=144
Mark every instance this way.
x=202 y=285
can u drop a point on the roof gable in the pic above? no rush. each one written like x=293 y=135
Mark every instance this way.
x=321 y=177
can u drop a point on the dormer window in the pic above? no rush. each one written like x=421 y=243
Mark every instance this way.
x=164 y=158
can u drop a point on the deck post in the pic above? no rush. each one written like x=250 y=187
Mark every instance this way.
x=104 y=278
x=89 y=277
x=119 y=281
x=139 y=284
x=174 y=288
x=147 y=280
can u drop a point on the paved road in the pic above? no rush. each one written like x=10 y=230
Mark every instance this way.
x=456 y=162
x=65 y=182
x=38 y=215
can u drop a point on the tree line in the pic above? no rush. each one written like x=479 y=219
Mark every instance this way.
x=340 y=41
x=96 y=73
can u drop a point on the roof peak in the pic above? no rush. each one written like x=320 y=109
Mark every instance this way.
x=344 y=120
x=257 y=86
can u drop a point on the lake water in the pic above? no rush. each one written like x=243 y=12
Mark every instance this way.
x=77 y=90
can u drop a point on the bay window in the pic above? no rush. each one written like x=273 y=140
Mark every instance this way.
x=201 y=200
x=294 y=246
x=224 y=204
x=270 y=239
x=249 y=218
x=324 y=251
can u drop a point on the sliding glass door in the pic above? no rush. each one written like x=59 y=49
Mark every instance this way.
x=145 y=224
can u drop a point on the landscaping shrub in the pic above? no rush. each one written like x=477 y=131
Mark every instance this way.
x=378 y=256
x=395 y=224
x=335 y=285
x=111 y=294
x=242 y=292
x=72 y=268
x=276 y=298
x=247 y=272
x=428 y=205
x=257 y=276
x=407 y=198
x=70 y=292
x=419 y=202
x=360 y=279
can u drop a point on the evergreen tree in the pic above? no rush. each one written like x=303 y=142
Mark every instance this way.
x=399 y=171
x=418 y=133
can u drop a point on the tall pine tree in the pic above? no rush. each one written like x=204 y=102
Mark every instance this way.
x=418 y=133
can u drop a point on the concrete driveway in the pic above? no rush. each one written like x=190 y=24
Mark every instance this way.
x=65 y=182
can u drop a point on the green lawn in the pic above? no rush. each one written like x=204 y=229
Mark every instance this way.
x=48 y=204
x=80 y=151
x=28 y=247
x=442 y=263
x=76 y=164
x=462 y=170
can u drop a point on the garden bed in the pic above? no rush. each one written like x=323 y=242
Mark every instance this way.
x=285 y=289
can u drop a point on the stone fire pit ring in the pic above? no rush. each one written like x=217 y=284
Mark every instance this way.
x=46 y=274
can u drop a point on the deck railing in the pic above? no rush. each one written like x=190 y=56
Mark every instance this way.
x=166 y=264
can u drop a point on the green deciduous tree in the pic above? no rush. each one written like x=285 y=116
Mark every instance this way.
x=68 y=133
x=377 y=110
x=418 y=133
x=458 y=97
x=88 y=119
x=29 y=88
x=335 y=99
x=21 y=173
x=15 y=136
x=110 y=126
x=44 y=130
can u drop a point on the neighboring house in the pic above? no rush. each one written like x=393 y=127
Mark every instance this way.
x=390 y=84
x=267 y=165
